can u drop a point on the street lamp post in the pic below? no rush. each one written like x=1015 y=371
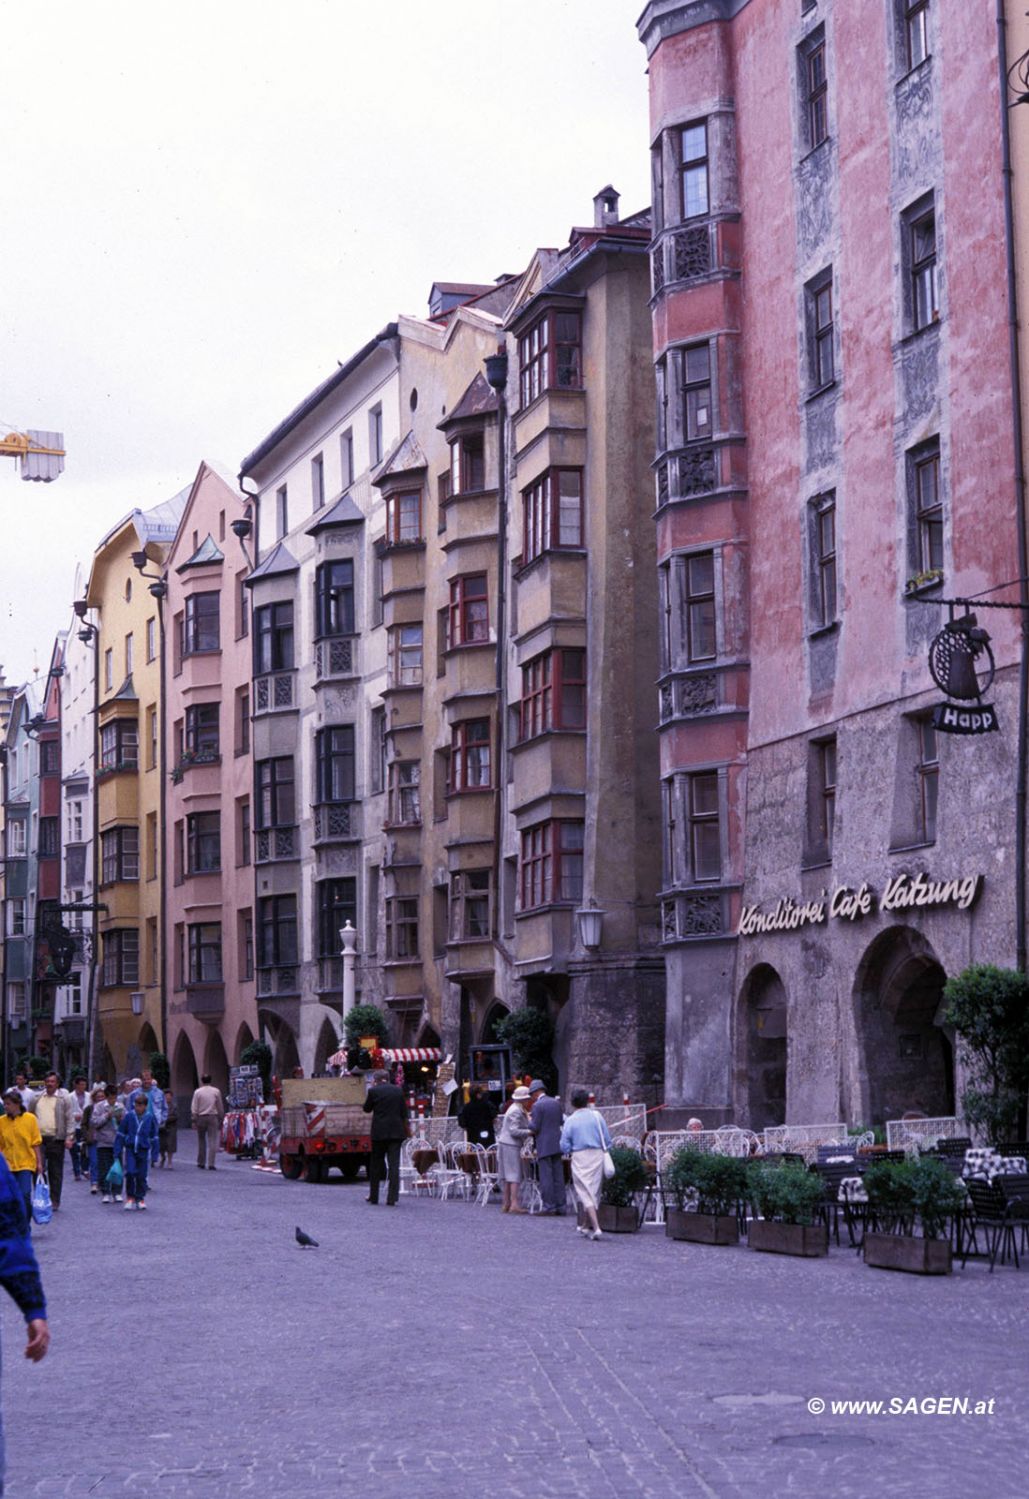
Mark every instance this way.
x=348 y=937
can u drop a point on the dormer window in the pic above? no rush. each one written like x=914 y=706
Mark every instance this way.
x=550 y=354
x=404 y=516
x=468 y=464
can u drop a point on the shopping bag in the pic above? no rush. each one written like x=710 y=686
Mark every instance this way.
x=609 y=1166
x=115 y=1177
x=42 y=1208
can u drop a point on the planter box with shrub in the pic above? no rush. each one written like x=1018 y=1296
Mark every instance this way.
x=902 y=1252
x=702 y=1228
x=618 y=1212
x=618 y=1220
x=713 y=1184
x=788 y=1197
x=899 y=1192
x=808 y=1240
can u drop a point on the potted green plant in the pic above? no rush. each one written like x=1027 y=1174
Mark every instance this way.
x=788 y=1198
x=619 y=1212
x=899 y=1193
x=707 y=1188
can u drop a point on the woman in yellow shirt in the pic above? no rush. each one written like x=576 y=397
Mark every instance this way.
x=21 y=1144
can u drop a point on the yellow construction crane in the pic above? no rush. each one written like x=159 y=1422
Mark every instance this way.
x=40 y=455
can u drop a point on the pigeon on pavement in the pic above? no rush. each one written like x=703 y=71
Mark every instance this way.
x=304 y=1240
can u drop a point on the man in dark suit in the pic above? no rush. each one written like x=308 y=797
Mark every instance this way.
x=545 y=1121
x=385 y=1102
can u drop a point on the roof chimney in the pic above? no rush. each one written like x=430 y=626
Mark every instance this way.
x=605 y=208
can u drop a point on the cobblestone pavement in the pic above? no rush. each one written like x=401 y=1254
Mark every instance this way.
x=442 y=1349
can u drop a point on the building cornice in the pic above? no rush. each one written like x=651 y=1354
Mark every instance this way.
x=665 y=18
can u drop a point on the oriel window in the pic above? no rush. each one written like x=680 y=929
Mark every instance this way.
x=924 y=302
x=705 y=827
x=694 y=171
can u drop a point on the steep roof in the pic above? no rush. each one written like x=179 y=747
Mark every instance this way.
x=480 y=399
x=343 y=513
x=207 y=552
x=407 y=458
x=278 y=561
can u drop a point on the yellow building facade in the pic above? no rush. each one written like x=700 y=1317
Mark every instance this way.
x=129 y=807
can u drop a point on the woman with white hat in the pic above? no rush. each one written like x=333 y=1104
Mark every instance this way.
x=513 y=1132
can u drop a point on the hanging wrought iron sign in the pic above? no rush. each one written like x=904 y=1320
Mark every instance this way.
x=961 y=664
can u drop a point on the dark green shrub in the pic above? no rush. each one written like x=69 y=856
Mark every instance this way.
x=530 y=1034
x=630 y=1177
x=989 y=1009
x=366 y=1020
x=900 y=1191
x=785 y=1193
x=719 y=1181
x=259 y=1054
x=161 y=1068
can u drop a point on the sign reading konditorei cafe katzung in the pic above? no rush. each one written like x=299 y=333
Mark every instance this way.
x=904 y=892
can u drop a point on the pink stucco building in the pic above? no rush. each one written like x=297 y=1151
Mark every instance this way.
x=834 y=457
x=208 y=877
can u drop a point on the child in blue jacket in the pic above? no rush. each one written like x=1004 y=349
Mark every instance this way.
x=138 y=1139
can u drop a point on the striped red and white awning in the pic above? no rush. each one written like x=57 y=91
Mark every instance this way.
x=413 y=1054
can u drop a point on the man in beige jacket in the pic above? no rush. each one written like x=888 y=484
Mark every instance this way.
x=55 y=1117
x=208 y=1111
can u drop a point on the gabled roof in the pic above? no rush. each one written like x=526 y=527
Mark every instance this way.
x=310 y=403
x=207 y=552
x=279 y=561
x=480 y=399
x=408 y=458
x=343 y=513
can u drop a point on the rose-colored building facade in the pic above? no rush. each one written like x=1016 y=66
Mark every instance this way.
x=835 y=456
x=208 y=876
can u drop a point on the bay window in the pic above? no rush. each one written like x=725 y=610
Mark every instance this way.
x=469 y=610
x=552 y=509
x=550 y=354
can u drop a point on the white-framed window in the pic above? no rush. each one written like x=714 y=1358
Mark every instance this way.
x=16 y=917
x=16 y=839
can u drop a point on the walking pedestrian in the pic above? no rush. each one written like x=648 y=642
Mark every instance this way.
x=385 y=1102
x=19 y=1275
x=169 y=1130
x=154 y=1094
x=586 y=1137
x=21 y=1082
x=545 y=1121
x=207 y=1111
x=106 y=1117
x=476 y=1119
x=21 y=1145
x=79 y=1103
x=514 y=1131
x=53 y=1111
x=125 y=1092
x=89 y=1137
x=136 y=1140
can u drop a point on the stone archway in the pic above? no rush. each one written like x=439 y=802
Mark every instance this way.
x=328 y=1042
x=905 y=1059
x=287 y=1058
x=494 y=1015
x=761 y=1047
x=244 y=1038
x=216 y=1063
x=184 y=1078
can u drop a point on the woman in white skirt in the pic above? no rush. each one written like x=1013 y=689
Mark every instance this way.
x=586 y=1137
x=511 y=1136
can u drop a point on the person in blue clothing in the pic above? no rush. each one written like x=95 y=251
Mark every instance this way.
x=586 y=1137
x=154 y=1095
x=19 y=1275
x=138 y=1141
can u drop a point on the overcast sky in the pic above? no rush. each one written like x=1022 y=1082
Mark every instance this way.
x=206 y=204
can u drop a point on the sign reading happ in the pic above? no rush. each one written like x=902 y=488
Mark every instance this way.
x=904 y=892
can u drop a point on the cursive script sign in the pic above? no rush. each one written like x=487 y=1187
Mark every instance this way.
x=904 y=892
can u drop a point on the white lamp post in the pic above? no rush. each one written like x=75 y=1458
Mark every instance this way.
x=591 y=921
x=348 y=937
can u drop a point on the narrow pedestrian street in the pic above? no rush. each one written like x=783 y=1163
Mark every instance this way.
x=440 y=1349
